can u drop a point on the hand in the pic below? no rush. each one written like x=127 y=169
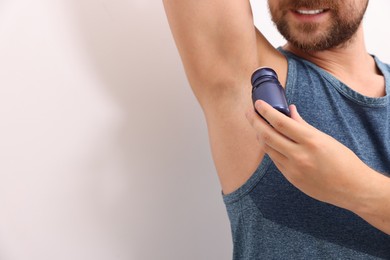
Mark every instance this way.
x=311 y=160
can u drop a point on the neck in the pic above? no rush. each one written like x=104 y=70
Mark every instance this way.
x=346 y=61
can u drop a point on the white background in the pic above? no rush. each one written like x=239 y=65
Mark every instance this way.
x=103 y=149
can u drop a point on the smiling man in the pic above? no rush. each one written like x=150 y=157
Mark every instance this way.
x=313 y=186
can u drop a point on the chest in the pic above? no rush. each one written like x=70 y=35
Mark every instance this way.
x=360 y=122
x=371 y=87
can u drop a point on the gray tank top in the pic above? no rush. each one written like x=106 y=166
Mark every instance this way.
x=271 y=219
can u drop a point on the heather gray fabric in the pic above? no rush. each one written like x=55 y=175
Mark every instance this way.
x=271 y=219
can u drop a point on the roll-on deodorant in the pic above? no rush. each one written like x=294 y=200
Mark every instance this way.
x=267 y=87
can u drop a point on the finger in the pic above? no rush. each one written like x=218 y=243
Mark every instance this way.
x=294 y=128
x=295 y=115
x=277 y=157
x=268 y=136
x=258 y=124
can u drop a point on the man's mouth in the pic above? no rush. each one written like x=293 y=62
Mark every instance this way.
x=310 y=12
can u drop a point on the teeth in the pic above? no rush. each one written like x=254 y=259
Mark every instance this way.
x=310 y=12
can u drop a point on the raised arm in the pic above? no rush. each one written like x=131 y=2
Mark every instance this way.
x=220 y=48
x=217 y=42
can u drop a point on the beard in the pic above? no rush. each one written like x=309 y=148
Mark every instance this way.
x=310 y=36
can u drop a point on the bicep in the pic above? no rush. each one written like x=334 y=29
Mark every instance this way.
x=219 y=47
x=218 y=43
x=216 y=39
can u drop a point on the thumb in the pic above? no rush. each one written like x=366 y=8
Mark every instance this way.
x=295 y=115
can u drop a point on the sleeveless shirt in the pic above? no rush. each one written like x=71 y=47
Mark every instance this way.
x=271 y=219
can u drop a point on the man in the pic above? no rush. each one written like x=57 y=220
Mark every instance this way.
x=313 y=186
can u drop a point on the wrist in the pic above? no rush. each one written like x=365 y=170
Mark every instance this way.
x=374 y=195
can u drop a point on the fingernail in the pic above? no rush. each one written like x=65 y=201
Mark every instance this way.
x=258 y=105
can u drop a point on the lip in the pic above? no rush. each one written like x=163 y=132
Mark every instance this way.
x=315 y=17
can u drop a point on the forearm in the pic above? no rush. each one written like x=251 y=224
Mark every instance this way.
x=374 y=206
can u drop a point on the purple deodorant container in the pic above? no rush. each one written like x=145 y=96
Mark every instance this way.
x=266 y=86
